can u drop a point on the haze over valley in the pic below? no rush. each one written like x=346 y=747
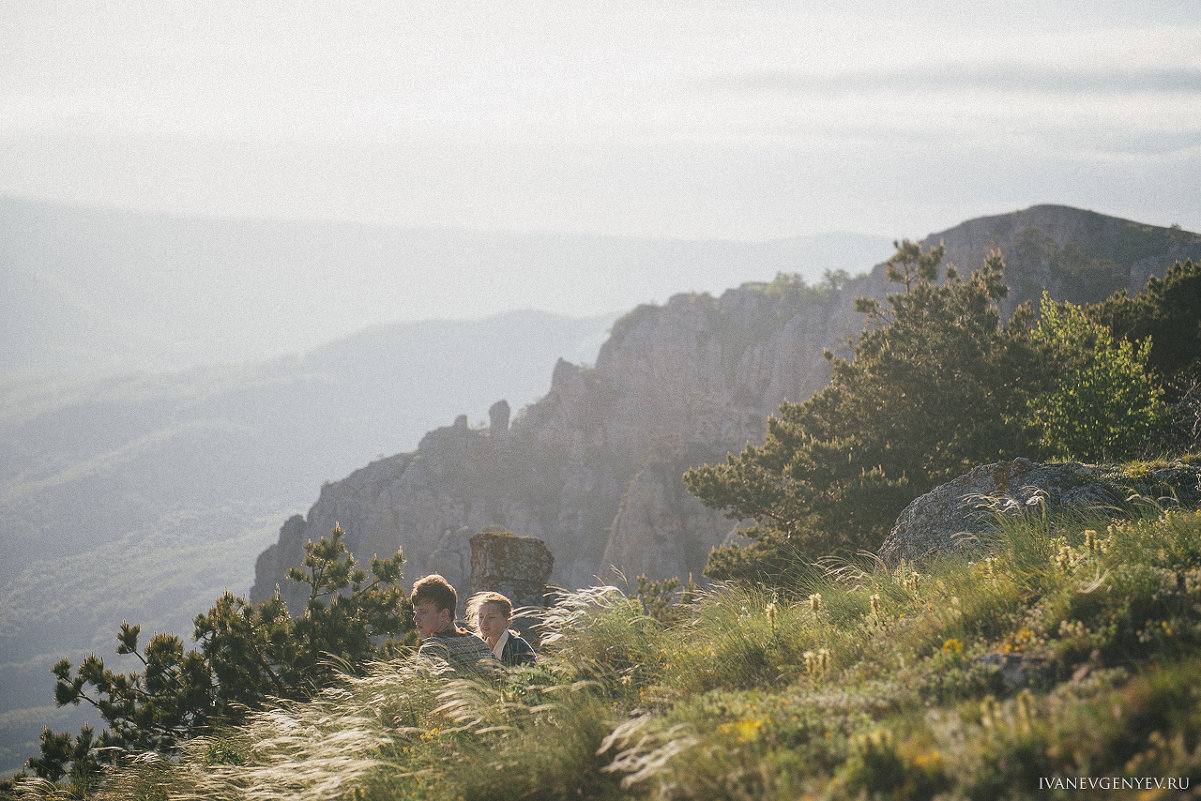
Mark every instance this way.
x=103 y=289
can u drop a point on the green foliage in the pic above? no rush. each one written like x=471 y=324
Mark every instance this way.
x=1168 y=312
x=74 y=758
x=1064 y=651
x=1102 y=402
x=910 y=266
x=771 y=557
x=928 y=393
x=247 y=654
x=666 y=600
x=792 y=289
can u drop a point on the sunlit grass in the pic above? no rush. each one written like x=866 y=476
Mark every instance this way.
x=1067 y=647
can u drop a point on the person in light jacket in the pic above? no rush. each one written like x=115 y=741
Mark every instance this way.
x=492 y=614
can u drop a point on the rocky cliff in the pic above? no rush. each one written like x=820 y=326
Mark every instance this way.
x=673 y=386
x=593 y=468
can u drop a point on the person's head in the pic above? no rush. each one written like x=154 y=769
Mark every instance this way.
x=434 y=604
x=491 y=612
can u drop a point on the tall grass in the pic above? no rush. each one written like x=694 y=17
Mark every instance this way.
x=1068 y=647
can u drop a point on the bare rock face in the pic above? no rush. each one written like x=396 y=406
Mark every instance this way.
x=516 y=567
x=594 y=468
x=661 y=531
x=959 y=513
x=498 y=415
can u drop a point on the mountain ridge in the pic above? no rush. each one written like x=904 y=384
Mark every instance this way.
x=95 y=288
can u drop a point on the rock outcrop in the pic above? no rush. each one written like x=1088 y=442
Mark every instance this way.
x=593 y=468
x=498 y=415
x=661 y=531
x=1075 y=255
x=673 y=387
x=961 y=514
x=516 y=567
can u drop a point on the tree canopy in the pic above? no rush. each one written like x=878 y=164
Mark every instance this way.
x=937 y=383
x=1168 y=310
x=929 y=391
x=1101 y=401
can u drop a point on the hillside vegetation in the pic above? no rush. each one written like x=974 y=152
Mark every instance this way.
x=1070 y=651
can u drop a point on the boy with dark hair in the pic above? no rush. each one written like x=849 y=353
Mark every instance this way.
x=434 y=605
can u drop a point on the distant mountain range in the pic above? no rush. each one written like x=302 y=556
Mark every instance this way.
x=102 y=289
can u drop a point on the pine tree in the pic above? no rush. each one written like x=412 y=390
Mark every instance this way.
x=931 y=390
x=1168 y=310
x=247 y=653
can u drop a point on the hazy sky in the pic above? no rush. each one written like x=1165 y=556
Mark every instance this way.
x=685 y=119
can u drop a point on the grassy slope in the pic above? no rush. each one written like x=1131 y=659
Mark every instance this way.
x=1066 y=654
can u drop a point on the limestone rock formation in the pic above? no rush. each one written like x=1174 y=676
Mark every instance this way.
x=673 y=387
x=1076 y=255
x=661 y=531
x=962 y=513
x=498 y=415
x=516 y=567
x=594 y=467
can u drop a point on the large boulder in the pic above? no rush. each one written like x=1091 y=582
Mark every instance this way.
x=515 y=566
x=958 y=514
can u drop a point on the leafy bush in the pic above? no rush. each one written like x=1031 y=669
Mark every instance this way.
x=1102 y=402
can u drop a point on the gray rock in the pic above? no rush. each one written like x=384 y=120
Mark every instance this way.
x=661 y=531
x=961 y=512
x=515 y=566
x=498 y=416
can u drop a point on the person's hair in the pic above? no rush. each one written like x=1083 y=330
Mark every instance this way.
x=437 y=590
x=479 y=599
